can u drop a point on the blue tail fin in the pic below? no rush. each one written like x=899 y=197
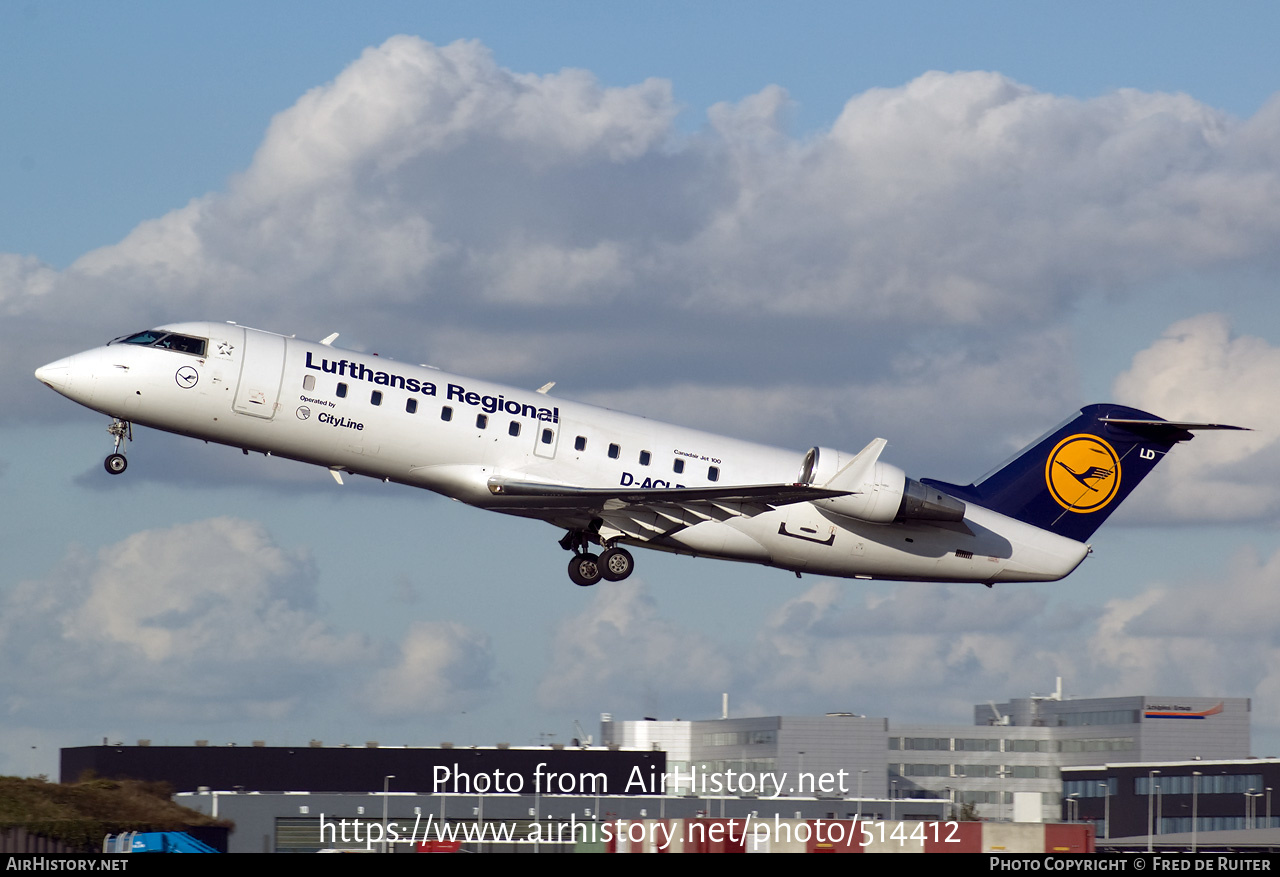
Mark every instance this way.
x=1069 y=481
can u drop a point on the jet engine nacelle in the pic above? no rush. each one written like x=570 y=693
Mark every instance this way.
x=876 y=492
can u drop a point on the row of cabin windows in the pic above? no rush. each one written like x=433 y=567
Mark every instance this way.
x=482 y=422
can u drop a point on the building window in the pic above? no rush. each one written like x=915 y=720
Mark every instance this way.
x=342 y=391
x=411 y=406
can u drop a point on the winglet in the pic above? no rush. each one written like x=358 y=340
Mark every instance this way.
x=328 y=342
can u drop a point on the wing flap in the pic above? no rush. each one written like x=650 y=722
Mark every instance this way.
x=647 y=515
x=567 y=496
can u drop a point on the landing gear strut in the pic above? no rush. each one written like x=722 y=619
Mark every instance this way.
x=613 y=565
x=116 y=462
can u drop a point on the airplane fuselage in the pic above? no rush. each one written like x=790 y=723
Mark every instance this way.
x=367 y=415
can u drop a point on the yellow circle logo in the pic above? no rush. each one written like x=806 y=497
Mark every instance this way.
x=1083 y=473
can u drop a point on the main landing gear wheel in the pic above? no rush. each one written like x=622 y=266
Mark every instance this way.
x=115 y=464
x=616 y=564
x=584 y=570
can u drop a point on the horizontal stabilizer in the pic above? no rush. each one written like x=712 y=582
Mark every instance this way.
x=1166 y=426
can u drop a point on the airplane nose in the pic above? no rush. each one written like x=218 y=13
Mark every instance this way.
x=56 y=375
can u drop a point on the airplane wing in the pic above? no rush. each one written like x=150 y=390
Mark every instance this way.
x=645 y=515
x=588 y=498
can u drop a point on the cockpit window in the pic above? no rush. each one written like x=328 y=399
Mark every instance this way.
x=151 y=336
x=167 y=340
x=183 y=343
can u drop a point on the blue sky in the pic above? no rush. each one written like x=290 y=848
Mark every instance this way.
x=947 y=224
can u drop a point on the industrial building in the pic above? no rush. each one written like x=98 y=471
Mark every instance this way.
x=1013 y=751
x=1007 y=766
x=1173 y=800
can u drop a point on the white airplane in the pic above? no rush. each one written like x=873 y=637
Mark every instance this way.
x=612 y=479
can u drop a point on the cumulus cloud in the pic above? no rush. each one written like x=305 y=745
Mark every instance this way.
x=209 y=618
x=1202 y=371
x=918 y=652
x=985 y=403
x=427 y=194
x=442 y=666
x=882 y=653
x=1203 y=637
x=207 y=621
x=620 y=650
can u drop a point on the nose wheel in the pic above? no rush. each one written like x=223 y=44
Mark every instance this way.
x=121 y=430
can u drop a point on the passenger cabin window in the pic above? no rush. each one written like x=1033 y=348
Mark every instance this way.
x=644 y=458
x=376 y=397
x=482 y=420
x=614 y=452
x=308 y=382
x=713 y=473
x=547 y=436
x=580 y=443
x=514 y=428
x=678 y=466
x=446 y=413
x=342 y=391
x=411 y=406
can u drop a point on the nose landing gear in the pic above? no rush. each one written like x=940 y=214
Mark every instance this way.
x=116 y=462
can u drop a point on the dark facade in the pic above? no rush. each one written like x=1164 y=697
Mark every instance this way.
x=335 y=769
x=1224 y=795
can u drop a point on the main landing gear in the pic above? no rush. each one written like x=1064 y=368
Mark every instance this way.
x=115 y=462
x=613 y=564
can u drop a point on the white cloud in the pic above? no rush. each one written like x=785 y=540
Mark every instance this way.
x=211 y=621
x=904 y=272
x=921 y=652
x=1201 y=371
x=619 y=650
x=442 y=666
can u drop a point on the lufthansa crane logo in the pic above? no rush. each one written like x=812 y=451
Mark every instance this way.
x=186 y=377
x=1083 y=473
